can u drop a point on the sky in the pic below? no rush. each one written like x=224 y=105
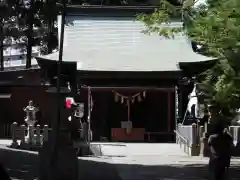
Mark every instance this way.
x=200 y=2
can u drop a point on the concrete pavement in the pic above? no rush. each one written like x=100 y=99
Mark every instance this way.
x=122 y=161
x=23 y=165
x=141 y=161
x=167 y=168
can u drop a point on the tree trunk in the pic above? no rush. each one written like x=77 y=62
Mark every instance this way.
x=50 y=43
x=30 y=35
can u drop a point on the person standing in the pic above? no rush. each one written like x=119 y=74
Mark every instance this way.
x=221 y=145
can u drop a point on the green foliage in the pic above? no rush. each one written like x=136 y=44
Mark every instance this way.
x=215 y=26
x=36 y=22
x=29 y=23
x=160 y=16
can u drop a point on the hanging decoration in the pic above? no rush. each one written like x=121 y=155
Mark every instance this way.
x=127 y=100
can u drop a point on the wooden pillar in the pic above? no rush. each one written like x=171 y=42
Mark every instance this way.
x=176 y=102
x=180 y=106
x=169 y=111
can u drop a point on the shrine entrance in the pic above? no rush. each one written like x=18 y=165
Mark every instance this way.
x=133 y=115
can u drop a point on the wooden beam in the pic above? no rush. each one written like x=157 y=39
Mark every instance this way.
x=105 y=88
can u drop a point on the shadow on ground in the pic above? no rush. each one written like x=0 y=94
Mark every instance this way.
x=18 y=164
x=171 y=172
x=24 y=165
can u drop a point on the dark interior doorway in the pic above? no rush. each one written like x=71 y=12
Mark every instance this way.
x=150 y=113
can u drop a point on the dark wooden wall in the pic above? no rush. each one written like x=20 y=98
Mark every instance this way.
x=24 y=86
x=12 y=109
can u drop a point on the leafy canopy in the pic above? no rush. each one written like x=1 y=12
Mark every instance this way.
x=215 y=26
x=16 y=16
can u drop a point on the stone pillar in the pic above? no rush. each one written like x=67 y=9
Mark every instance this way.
x=195 y=149
x=14 y=135
x=201 y=131
x=22 y=133
x=204 y=140
x=45 y=133
x=38 y=135
x=30 y=135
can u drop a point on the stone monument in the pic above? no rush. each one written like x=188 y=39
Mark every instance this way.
x=30 y=119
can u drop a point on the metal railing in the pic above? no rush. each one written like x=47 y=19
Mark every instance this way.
x=182 y=141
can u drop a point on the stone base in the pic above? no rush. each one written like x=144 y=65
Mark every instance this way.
x=204 y=147
x=25 y=146
x=195 y=151
x=66 y=163
x=14 y=145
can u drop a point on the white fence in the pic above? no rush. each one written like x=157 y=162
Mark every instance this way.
x=31 y=137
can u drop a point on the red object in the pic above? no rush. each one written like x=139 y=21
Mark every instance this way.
x=119 y=134
x=68 y=103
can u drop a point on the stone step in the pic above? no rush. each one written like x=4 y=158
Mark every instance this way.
x=137 y=149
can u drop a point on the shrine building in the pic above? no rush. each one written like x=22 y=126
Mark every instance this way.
x=132 y=77
x=129 y=81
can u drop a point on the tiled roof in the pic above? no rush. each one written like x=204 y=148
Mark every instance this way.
x=117 y=44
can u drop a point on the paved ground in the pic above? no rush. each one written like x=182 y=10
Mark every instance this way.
x=122 y=161
x=19 y=164
x=159 y=162
x=23 y=165
x=166 y=168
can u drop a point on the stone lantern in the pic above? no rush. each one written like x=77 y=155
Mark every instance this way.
x=30 y=119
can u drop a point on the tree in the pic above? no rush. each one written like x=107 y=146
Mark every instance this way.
x=42 y=15
x=215 y=26
x=48 y=14
x=29 y=23
x=2 y=18
x=7 y=26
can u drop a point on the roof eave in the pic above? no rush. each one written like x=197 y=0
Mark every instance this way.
x=194 y=68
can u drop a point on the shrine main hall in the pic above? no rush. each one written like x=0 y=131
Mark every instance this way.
x=129 y=80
